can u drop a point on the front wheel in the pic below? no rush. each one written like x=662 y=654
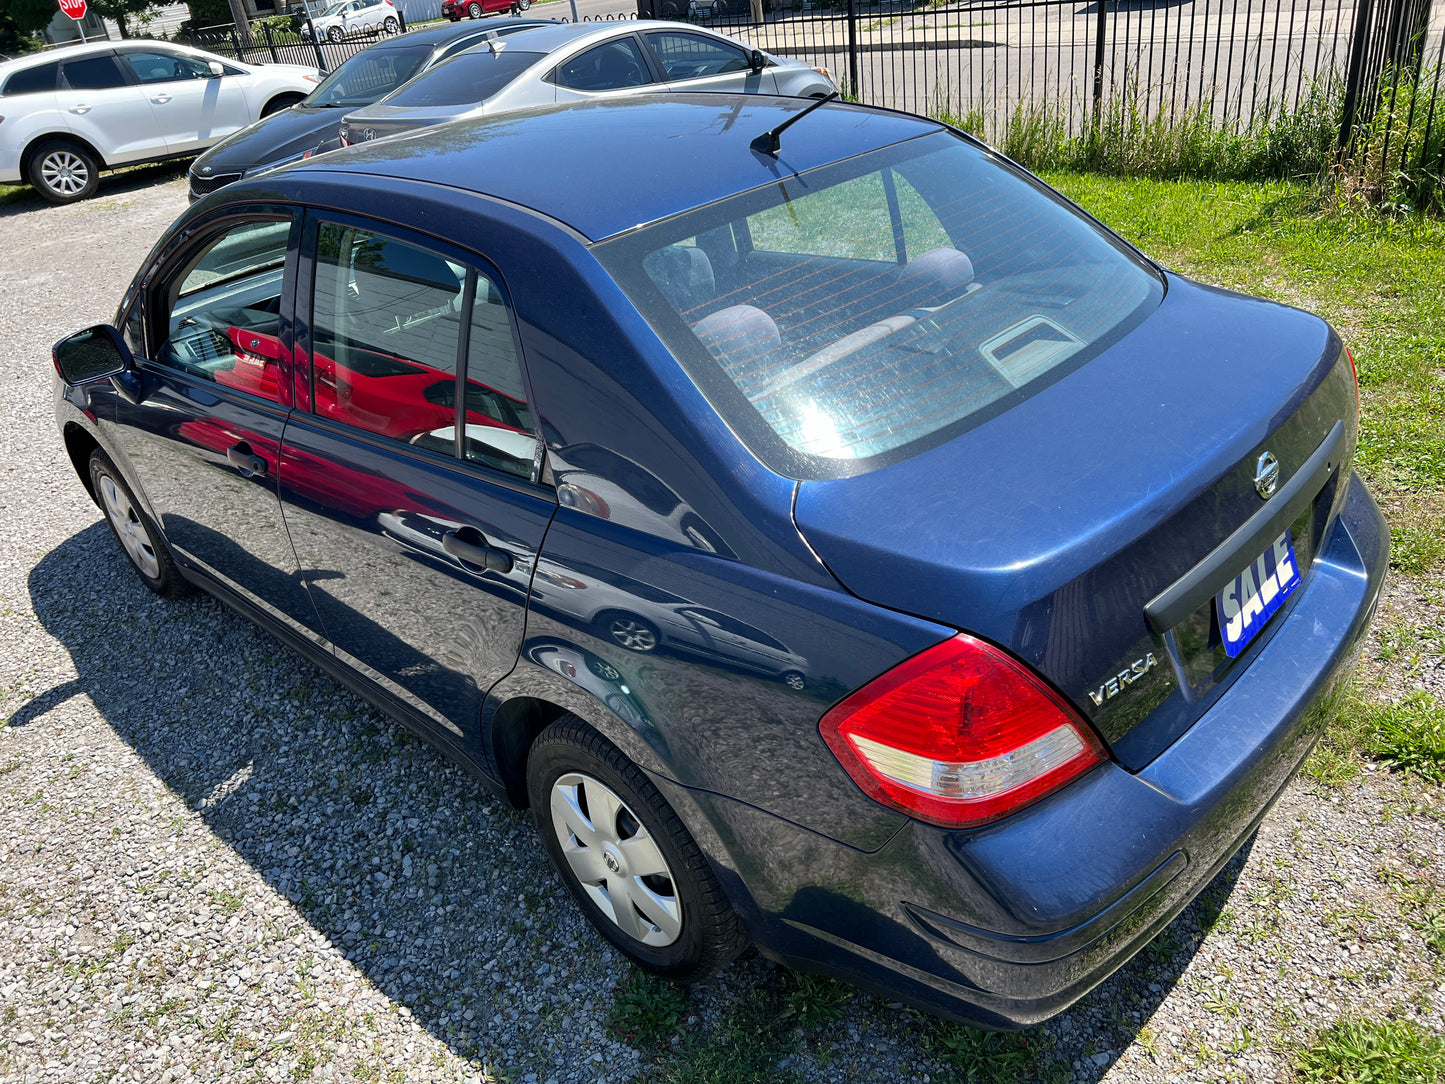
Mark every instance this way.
x=335 y=34
x=523 y=5
x=133 y=529
x=63 y=172
x=390 y=25
x=280 y=102
x=626 y=858
x=630 y=631
x=474 y=10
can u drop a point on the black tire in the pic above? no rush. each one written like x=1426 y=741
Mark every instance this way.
x=133 y=530
x=63 y=171
x=795 y=680
x=280 y=102
x=629 y=631
x=474 y=10
x=567 y=760
x=390 y=25
x=335 y=33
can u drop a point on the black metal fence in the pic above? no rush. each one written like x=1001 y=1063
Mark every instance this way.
x=1373 y=65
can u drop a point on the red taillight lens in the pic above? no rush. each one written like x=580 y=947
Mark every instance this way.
x=959 y=735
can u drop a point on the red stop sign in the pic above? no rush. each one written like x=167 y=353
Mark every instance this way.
x=74 y=8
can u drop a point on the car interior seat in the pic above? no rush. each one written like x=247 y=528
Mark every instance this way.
x=684 y=275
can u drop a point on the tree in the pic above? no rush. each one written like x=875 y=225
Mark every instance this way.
x=31 y=15
x=120 y=11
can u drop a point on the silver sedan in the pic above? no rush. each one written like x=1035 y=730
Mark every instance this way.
x=574 y=62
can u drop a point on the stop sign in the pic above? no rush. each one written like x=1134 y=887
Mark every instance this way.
x=74 y=8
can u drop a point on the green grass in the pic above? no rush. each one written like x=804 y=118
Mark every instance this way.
x=1380 y=281
x=1406 y=735
x=1374 y=1052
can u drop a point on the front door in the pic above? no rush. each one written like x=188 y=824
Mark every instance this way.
x=410 y=484
x=193 y=107
x=204 y=439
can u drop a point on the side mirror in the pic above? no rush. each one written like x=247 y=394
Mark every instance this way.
x=90 y=355
x=216 y=70
x=756 y=61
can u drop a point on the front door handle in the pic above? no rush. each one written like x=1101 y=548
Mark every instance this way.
x=488 y=557
x=252 y=466
x=80 y=109
x=161 y=99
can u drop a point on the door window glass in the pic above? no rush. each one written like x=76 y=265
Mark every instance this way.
x=388 y=319
x=166 y=67
x=611 y=66
x=93 y=73
x=692 y=56
x=222 y=308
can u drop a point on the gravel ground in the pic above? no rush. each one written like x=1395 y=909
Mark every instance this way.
x=215 y=863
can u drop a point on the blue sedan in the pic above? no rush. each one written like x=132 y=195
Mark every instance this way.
x=840 y=542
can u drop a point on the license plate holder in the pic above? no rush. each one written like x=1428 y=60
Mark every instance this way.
x=1245 y=604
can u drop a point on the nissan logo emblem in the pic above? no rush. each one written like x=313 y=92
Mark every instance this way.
x=1266 y=475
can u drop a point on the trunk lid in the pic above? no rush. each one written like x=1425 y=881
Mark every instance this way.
x=1126 y=485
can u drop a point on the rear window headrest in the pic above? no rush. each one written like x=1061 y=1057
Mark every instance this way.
x=737 y=335
x=684 y=275
x=946 y=268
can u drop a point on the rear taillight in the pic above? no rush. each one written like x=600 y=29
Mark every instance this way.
x=1354 y=372
x=960 y=735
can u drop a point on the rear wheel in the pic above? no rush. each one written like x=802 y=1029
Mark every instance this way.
x=63 y=172
x=335 y=34
x=630 y=631
x=390 y=25
x=133 y=529
x=523 y=5
x=625 y=856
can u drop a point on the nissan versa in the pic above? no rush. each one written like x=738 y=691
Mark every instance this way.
x=839 y=541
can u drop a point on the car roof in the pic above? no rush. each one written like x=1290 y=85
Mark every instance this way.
x=548 y=38
x=449 y=32
x=97 y=48
x=663 y=154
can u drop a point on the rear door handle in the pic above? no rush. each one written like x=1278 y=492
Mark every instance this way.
x=161 y=99
x=252 y=466
x=80 y=109
x=488 y=557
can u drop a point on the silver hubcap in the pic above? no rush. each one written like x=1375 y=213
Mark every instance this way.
x=615 y=859
x=64 y=172
x=128 y=528
x=633 y=635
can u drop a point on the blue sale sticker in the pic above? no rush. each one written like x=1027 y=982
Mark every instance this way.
x=1255 y=594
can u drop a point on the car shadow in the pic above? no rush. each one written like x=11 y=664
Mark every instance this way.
x=24 y=199
x=439 y=894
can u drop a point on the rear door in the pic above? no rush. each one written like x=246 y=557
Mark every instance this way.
x=410 y=483
x=103 y=105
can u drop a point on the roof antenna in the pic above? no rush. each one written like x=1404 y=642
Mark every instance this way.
x=770 y=143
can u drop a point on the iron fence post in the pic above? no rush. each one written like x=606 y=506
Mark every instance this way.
x=1099 y=42
x=1356 y=72
x=270 y=42
x=853 y=48
x=316 y=44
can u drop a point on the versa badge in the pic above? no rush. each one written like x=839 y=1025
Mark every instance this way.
x=1123 y=679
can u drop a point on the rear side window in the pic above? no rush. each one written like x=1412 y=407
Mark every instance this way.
x=32 y=80
x=92 y=73
x=471 y=77
x=612 y=66
x=859 y=313
x=398 y=329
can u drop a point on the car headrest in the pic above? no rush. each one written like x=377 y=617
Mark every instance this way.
x=683 y=274
x=940 y=268
x=738 y=336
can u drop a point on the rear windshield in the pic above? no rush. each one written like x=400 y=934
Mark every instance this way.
x=473 y=76
x=857 y=314
x=369 y=75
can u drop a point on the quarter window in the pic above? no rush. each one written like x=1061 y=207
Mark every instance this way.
x=398 y=328
x=222 y=308
x=32 y=80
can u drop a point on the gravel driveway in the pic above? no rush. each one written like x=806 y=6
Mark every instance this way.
x=215 y=863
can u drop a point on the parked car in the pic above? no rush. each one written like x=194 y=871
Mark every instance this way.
x=1069 y=548
x=72 y=112
x=577 y=61
x=475 y=9
x=312 y=123
x=353 y=17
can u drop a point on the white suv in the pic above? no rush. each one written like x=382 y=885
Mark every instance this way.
x=67 y=114
x=354 y=17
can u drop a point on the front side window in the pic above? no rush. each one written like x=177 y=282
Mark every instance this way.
x=92 y=73
x=612 y=66
x=219 y=308
x=166 y=67
x=397 y=330
x=692 y=56
x=864 y=311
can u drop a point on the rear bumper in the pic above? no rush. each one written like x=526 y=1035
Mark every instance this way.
x=1008 y=925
